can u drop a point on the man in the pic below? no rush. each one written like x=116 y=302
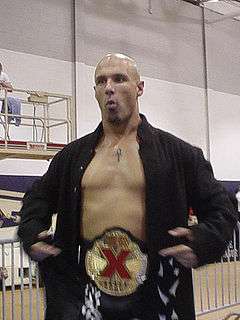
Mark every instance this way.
x=3 y=275
x=14 y=104
x=238 y=199
x=4 y=79
x=123 y=193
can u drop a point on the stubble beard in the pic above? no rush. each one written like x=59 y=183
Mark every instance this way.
x=115 y=120
x=118 y=118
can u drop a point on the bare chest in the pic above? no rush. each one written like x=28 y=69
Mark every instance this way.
x=115 y=167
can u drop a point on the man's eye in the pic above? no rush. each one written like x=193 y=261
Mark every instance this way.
x=120 y=78
x=100 y=81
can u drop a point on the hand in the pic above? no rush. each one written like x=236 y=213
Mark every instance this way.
x=3 y=273
x=41 y=250
x=182 y=253
x=3 y=83
x=6 y=85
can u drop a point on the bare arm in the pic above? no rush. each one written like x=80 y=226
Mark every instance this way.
x=6 y=85
x=182 y=253
x=42 y=250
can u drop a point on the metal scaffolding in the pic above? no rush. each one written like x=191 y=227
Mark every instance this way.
x=39 y=110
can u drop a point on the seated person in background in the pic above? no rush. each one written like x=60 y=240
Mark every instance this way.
x=3 y=275
x=238 y=201
x=14 y=104
x=4 y=80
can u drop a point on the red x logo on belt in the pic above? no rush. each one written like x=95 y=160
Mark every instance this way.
x=115 y=263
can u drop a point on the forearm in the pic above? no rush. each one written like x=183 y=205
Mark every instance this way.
x=35 y=218
x=6 y=85
x=39 y=204
x=210 y=240
x=216 y=215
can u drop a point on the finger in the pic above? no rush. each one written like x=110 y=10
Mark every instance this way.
x=176 y=251
x=189 y=260
x=183 y=254
x=44 y=234
x=181 y=232
x=41 y=250
x=172 y=251
x=51 y=250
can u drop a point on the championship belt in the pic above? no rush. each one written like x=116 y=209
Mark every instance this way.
x=116 y=264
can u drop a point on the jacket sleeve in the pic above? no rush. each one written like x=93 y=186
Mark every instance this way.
x=215 y=212
x=39 y=204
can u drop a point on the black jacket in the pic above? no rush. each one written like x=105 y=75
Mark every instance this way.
x=177 y=177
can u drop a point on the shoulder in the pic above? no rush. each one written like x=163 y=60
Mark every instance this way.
x=75 y=147
x=175 y=150
x=79 y=143
x=170 y=146
x=175 y=144
x=4 y=77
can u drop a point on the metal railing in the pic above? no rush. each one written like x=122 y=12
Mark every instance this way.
x=42 y=102
x=22 y=297
x=217 y=286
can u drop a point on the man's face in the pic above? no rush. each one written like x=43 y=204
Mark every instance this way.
x=117 y=87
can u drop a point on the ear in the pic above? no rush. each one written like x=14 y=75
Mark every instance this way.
x=140 y=88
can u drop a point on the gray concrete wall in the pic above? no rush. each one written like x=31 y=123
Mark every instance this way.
x=39 y=27
x=223 y=54
x=167 y=44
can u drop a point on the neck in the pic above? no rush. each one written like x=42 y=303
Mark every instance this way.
x=121 y=130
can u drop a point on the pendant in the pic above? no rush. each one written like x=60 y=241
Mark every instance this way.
x=119 y=154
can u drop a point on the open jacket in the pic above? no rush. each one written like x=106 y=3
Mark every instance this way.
x=177 y=177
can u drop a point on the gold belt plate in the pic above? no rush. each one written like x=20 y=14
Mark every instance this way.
x=116 y=264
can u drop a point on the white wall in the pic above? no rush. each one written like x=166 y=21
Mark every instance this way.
x=88 y=114
x=223 y=74
x=224 y=117
x=33 y=72
x=176 y=108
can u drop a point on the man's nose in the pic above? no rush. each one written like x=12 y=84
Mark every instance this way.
x=109 y=88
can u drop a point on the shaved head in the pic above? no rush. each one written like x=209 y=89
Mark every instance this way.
x=114 y=58
x=117 y=88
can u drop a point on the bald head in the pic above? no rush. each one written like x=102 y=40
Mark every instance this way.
x=117 y=88
x=112 y=59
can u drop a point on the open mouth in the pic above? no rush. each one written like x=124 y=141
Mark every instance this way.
x=111 y=105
